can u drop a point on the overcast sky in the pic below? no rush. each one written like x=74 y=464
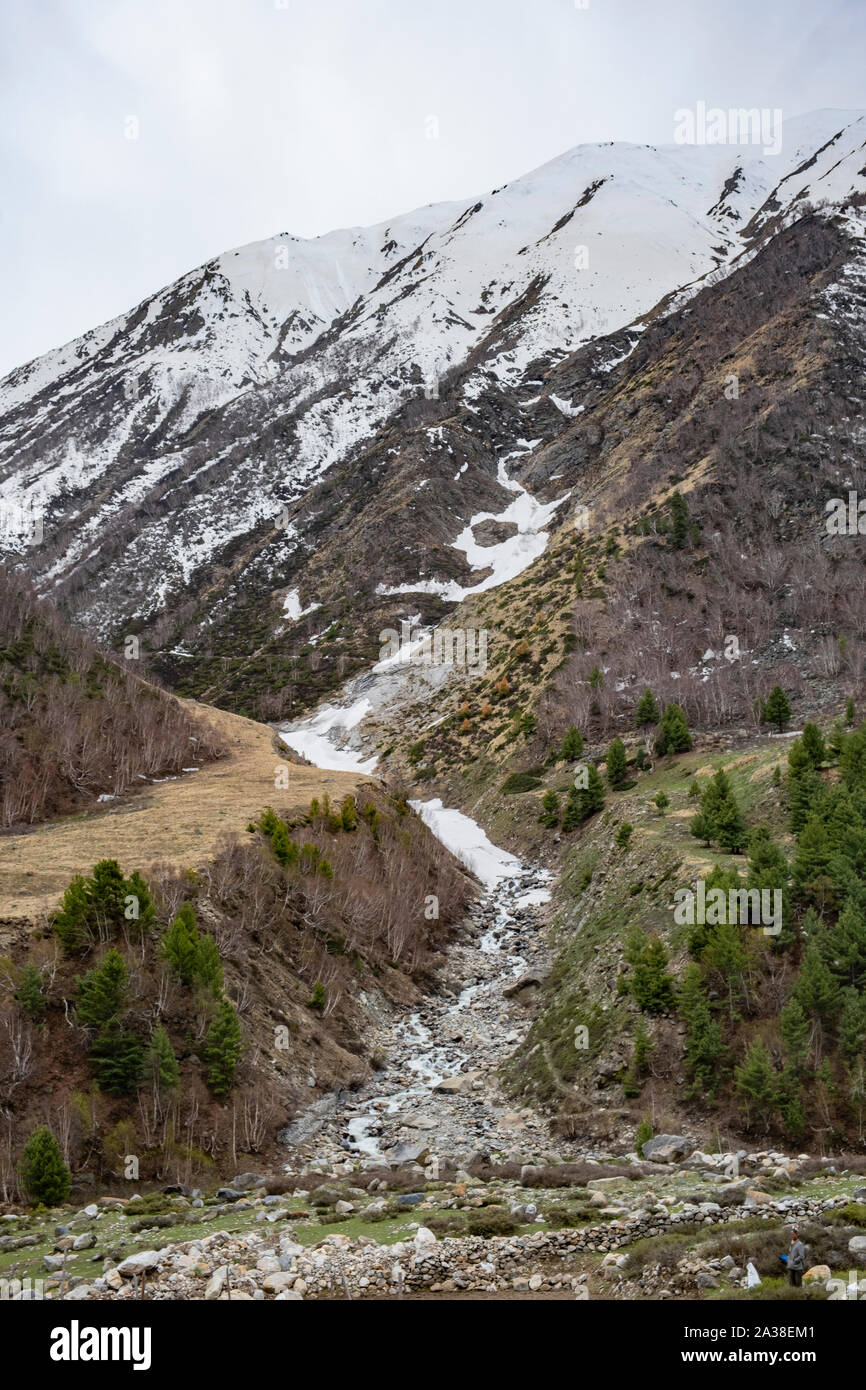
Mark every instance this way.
x=258 y=116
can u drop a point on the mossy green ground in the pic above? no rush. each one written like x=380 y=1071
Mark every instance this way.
x=114 y=1237
x=604 y=890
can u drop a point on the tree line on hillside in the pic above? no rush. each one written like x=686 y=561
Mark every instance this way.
x=74 y=724
x=775 y=1024
x=586 y=794
x=158 y=990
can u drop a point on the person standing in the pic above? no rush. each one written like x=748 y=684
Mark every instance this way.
x=796 y=1259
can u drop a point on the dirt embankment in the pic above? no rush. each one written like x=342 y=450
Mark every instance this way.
x=177 y=821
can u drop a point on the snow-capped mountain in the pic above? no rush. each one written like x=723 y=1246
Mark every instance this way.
x=190 y=456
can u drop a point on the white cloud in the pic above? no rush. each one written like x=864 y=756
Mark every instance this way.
x=257 y=119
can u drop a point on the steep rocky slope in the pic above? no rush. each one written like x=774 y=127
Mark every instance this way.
x=268 y=519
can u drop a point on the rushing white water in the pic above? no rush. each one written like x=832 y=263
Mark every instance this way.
x=419 y=1057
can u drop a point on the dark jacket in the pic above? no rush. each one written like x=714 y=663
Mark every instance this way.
x=797 y=1255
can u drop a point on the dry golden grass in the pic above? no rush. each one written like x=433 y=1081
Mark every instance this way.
x=178 y=822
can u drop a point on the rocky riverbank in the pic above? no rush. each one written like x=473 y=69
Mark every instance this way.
x=595 y=1229
x=437 y=1090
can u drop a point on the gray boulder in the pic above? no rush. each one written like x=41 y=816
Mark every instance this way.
x=138 y=1263
x=857 y=1249
x=245 y=1181
x=667 y=1148
x=402 y=1154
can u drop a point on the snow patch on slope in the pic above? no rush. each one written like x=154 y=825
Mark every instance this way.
x=506 y=559
x=467 y=842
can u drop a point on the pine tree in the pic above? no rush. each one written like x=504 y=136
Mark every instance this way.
x=804 y=790
x=794 y=1027
x=73 y=919
x=768 y=867
x=284 y=847
x=180 y=945
x=719 y=816
x=704 y=1047
x=583 y=801
x=572 y=814
x=777 y=708
x=592 y=795
x=349 y=814
x=579 y=571
x=549 y=817
x=616 y=763
x=44 y=1175
x=643 y=1047
x=755 y=1083
x=813 y=929
x=846 y=942
x=702 y=827
x=725 y=952
x=679 y=518
x=223 y=1050
x=643 y=1134
x=731 y=831
x=268 y=821
x=30 y=993
x=208 y=970
x=119 y=1059
x=103 y=991
x=673 y=734
x=816 y=990
x=798 y=758
x=791 y=1108
x=768 y=870
x=161 y=1070
x=852 y=760
x=647 y=711
x=850 y=713
x=836 y=738
x=852 y=1024
x=812 y=743
x=699 y=933
x=141 y=912
x=108 y=896
x=651 y=986
x=812 y=858
x=572 y=745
